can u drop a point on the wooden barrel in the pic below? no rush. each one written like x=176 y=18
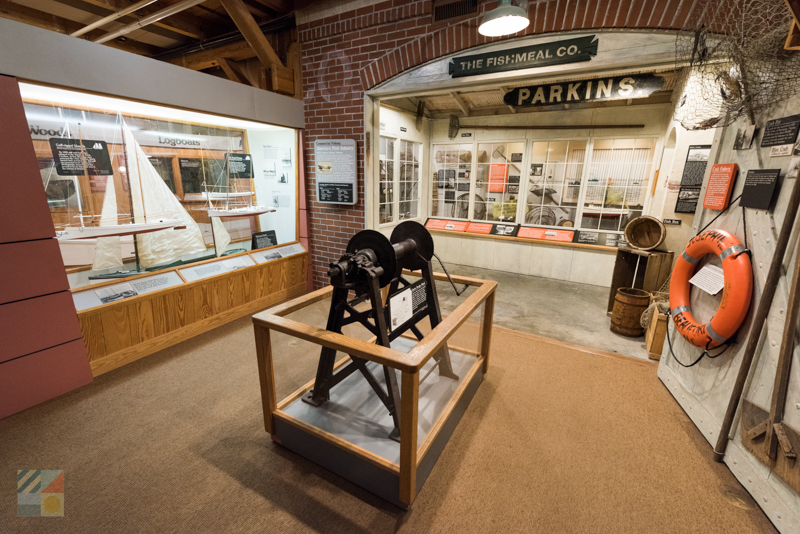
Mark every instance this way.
x=645 y=232
x=629 y=305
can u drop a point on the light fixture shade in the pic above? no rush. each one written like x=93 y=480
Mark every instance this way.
x=505 y=19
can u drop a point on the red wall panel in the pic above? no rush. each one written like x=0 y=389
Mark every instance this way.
x=36 y=324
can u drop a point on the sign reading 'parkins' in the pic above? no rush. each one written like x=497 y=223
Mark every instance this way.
x=526 y=57
x=615 y=88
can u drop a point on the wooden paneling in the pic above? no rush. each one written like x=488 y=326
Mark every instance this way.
x=124 y=331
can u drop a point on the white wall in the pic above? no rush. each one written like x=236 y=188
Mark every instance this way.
x=704 y=390
x=284 y=219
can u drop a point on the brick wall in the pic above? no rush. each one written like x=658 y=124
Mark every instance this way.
x=347 y=53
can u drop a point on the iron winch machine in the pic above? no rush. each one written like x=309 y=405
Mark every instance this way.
x=372 y=262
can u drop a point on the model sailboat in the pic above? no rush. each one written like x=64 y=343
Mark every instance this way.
x=152 y=205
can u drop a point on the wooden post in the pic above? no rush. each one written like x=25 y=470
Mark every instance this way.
x=486 y=330
x=784 y=362
x=266 y=375
x=409 y=412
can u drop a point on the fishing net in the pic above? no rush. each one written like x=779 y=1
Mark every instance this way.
x=734 y=63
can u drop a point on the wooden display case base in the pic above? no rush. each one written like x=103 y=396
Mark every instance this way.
x=357 y=417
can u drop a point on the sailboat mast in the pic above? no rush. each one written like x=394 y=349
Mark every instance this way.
x=130 y=190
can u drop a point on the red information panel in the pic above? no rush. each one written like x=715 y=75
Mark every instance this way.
x=720 y=185
x=480 y=228
x=497 y=177
x=547 y=234
x=440 y=224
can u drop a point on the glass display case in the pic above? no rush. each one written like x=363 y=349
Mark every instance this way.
x=399 y=171
x=134 y=188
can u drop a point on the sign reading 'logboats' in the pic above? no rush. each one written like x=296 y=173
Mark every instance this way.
x=526 y=57
x=615 y=88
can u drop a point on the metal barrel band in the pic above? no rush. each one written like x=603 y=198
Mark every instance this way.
x=731 y=250
x=713 y=334
x=689 y=258
x=680 y=309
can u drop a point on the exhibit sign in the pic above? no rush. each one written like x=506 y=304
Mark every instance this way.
x=264 y=256
x=672 y=222
x=595 y=90
x=692 y=179
x=507 y=230
x=546 y=234
x=263 y=240
x=104 y=295
x=497 y=177
x=443 y=224
x=239 y=166
x=335 y=169
x=407 y=303
x=74 y=157
x=759 y=188
x=600 y=238
x=780 y=135
x=720 y=185
x=214 y=268
x=525 y=57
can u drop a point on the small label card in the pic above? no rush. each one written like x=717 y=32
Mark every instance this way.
x=710 y=279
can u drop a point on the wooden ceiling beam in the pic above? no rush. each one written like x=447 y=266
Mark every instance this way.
x=232 y=71
x=205 y=59
x=182 y=23
x=461 y=104
x=40 y=19
x=280 y=7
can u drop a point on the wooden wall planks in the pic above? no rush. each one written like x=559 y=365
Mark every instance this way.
x=124 y=331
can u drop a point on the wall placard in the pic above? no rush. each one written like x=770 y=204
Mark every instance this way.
x=720 y=185
x=335 y=169
x=497 y=177
x=238 y=165
x=206 y=270
x=759 y=187
x=103 y=295
x=263 y=240
x=71 y=155
x=546 y=234
x=442 y=224
x=264 y=256
x=692 y=179
x=780 y=135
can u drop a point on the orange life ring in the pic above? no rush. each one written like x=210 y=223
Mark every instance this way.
x=736 y=294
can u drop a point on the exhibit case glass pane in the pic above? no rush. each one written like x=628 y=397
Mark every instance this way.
x=554 y=182
x=499 y=169
x=137 y=187
x=616 y=182
x=450 y=186
x=408 y=179
x=386 y=181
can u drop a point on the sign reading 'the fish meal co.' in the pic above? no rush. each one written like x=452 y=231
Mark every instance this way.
x=526 y=57
x=615 y=88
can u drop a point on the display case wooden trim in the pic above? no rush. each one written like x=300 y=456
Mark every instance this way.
x=524 y=240
x=411 y=453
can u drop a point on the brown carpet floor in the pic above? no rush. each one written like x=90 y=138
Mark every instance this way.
x=556 y=440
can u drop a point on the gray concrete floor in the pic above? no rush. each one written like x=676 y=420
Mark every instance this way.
x=564 y=311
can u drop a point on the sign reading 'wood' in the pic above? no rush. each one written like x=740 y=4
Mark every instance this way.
x=597 y=90
x=526 y=57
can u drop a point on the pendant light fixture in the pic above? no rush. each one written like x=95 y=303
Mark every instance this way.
x=505 y=19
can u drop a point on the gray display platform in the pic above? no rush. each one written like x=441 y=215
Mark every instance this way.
x=354 y=413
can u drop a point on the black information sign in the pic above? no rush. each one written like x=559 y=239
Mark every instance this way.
x=333 y=192
x=759 y=187
x=264 y=240
x=70 y=158
x=692 y=179
x=239 y=165
x=673 y=222
x=781 y=131
x=596 y=90
x=525 y=57
x=509 y=230
x=591 y=238
x=191 y=174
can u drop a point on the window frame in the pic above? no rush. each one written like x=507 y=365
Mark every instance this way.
x=396 y=182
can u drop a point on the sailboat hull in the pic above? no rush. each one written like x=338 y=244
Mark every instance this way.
x=217 y=196
x=248 y=211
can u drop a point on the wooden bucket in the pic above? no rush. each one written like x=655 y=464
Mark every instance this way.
x=645 y=233
x=629 y=305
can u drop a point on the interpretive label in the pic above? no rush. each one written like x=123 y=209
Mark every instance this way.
x=720 y=185
x=441 y=224
x=759 y=187
x=335 y=169
x=710 y=279
x=105 y=295
x=207 y=270
x=76 y=158
x=780 y=134
x=546 y=234
x=263 y=240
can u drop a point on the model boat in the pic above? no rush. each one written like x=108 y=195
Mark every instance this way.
x=92 y=232
x=244 y=211
x=209 y=195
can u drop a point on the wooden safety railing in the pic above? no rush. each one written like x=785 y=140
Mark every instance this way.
x=409 y=364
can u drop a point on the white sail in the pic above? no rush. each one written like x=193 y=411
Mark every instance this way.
x=221 y=236
x=152 y=197
x=108 y=251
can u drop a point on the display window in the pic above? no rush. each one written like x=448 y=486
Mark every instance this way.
x=586 y=184
x=136 y=187
x=399 y=172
